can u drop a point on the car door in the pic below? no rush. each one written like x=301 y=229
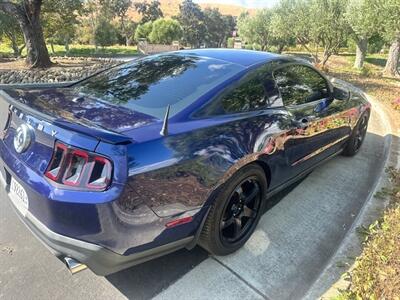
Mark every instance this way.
x=315 y=129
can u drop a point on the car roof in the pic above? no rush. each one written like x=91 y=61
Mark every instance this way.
x=245 y=58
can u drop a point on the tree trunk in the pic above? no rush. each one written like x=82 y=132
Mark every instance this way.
x=325 y=58
x=38 y=56
x=361 y=52
x=392 y=63
x=28 y=16
x=14 y=44
x=21 y=49
x=66 y=46
x=128 y=41
x=280 y=48
x=52 y=47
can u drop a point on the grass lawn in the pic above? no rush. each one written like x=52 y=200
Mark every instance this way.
x=79 y=50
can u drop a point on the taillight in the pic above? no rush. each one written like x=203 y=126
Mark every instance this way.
x=74 y=167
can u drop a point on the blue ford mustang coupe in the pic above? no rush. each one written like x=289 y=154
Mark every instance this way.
x=168 y=151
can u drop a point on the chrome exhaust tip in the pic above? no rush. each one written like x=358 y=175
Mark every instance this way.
x=74 y=266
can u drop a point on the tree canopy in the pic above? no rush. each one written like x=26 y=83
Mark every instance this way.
x=165 y=31
x=321 y=27
x=192 y=20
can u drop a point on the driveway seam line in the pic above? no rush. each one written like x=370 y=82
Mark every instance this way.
x=240 y=278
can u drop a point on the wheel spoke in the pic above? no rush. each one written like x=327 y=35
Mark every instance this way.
x=248 y=212
x=237 y=227
x=239 y=191
x=254 y=192
x=227 y=223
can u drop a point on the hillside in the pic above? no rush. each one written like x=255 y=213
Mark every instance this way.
x=171 y=8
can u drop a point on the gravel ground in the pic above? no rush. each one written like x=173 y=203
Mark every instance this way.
x=65 y=69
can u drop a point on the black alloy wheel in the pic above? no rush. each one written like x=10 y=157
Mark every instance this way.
x=361 y=131
x=235 y=211
x=241 y=211
x=357 y=136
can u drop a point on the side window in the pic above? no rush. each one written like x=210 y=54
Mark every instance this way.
x=300 y=84
x=256 y=90
x=249 y=95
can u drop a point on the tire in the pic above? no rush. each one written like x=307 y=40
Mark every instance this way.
x=357 y=136
x=222 y=234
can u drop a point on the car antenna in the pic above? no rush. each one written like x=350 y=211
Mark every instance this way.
x=164 y=129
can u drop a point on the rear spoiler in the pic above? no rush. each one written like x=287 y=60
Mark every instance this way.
x=95 y=132
x=25 y=86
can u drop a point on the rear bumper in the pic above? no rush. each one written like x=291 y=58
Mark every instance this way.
x=99 y=259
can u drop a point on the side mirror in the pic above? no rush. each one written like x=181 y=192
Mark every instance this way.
x=341 y=94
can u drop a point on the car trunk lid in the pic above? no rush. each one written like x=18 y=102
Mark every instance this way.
x=65 y=106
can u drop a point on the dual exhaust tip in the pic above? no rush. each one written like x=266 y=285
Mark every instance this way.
x=73 y=265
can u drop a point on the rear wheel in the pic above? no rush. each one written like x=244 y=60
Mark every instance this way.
x=357 y=137
x=235 y=212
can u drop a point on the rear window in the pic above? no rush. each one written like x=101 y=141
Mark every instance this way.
x=148 y=85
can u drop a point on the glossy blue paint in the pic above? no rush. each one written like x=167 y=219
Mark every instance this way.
x=157 y=178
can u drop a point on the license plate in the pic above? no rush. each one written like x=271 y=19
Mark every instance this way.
x=19 y=197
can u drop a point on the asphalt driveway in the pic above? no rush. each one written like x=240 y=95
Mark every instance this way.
x=293 y=243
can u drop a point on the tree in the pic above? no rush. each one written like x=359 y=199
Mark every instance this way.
x=60 y=20
x=27 y=14
x=105 y=34
x=149 y=11
x=191 y=19
x=165 y=31
x=361 y=17
x=281 y=35
x=388 y=12
x=120 y=9
x=10 y=29
x=256 y=29
x=143 y=31
x=320 y=23
x=218 y=27
x=329 y=28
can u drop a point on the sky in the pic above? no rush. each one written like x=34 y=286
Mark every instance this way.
x=244 y=3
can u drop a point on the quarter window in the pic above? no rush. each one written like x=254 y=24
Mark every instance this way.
x=247 y=96
x=251 y=93
x=300 y=84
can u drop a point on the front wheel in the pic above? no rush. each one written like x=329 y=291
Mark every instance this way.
x=236 y=211
x=357 y=136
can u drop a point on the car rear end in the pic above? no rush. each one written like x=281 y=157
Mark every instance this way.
x=64 y=180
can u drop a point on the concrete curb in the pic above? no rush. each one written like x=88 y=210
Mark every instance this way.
x=330 y=281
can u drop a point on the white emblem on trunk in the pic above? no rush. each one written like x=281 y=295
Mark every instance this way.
x=22 y=138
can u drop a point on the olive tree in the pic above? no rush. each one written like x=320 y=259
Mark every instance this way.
x=362 y=19
x=329 y=27
x=256 y=29
x=281 y=35
x=389 y=15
